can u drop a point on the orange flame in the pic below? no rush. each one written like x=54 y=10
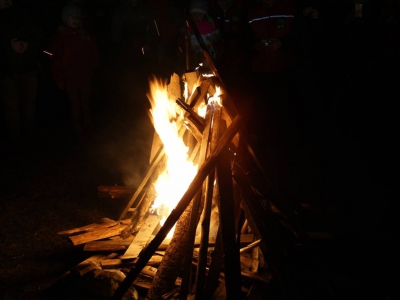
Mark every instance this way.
x=173 y=182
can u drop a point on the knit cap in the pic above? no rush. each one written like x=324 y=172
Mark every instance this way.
x=70 y=9
x=198 y=6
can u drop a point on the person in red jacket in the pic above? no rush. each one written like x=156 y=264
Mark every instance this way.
x=272 y=27
x=231 y=19
x=73 y=64
x=274 y=70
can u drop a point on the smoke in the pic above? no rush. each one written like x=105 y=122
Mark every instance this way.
x=125 y=133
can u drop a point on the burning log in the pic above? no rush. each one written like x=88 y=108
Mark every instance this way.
x=208 y=191
x=196 y=212
x=226 y=209
x=192 y=116
x=177 y=212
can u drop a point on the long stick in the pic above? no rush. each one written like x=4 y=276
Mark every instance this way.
x=196 y=210
x=181 y=206
x=205 y=222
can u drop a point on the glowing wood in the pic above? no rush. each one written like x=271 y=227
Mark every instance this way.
x=141 y=239
x=97 y=234
x=181 y=206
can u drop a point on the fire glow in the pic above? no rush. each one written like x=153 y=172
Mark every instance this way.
x=179 y=171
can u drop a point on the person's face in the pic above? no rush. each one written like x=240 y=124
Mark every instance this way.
x=73 y=21
x=198 y=17
x=5 y=3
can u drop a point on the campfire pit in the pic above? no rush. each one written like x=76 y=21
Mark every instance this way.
x=217 y=240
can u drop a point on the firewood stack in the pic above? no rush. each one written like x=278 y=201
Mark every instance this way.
x=230 y=232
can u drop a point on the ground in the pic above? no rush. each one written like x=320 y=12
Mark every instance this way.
x=51 y=185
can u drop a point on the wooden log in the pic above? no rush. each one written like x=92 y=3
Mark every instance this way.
x=90 y=227
x=191 y=115
x=192 y=80
x=215 y=268
x=194 y=97
x=196 y=212
x=170 y=267
x=205 y=87
x=98 y=234
x=227 y=224
x=205 y=222
x=271 y=244
x=114 y=191
x=194 y=130
x=181 y=206
x=251 y=246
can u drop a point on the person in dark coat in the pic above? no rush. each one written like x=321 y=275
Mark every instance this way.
x=20 y=43
x=73 y=64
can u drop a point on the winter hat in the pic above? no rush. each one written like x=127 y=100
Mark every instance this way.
x=199 y=7
x=71 y=9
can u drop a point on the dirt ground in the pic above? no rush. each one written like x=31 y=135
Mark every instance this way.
x=51 y=184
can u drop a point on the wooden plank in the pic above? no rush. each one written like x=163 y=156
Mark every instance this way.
x=98 y=234
x=91 y=263
x=158 y=156
x=90 y=227
x=140 y=240
x=117 y=263
x=109 y=245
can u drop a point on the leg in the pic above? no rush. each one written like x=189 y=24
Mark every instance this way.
x=28 y=85
x=74 y=103
x=10 y=97
x=85 y=95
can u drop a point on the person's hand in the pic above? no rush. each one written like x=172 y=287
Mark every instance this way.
x=18 y=46
x=275 y=44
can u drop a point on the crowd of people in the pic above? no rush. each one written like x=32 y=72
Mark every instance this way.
x=285 y=51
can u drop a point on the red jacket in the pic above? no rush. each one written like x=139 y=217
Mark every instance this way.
x=233 y=24
x=275 y=22
x=75 y=57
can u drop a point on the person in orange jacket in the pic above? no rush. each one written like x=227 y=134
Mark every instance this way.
x=74 y=61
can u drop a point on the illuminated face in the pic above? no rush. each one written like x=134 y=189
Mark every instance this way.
x=74 y=21
x=5 y=3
